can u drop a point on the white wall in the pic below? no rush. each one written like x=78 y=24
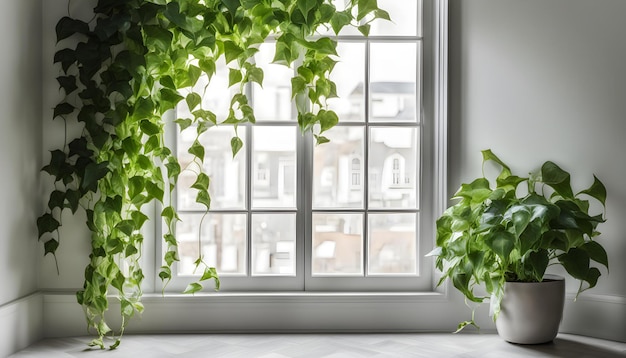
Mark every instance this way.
x=544 y=80
x=20 y=161
x=547 y=73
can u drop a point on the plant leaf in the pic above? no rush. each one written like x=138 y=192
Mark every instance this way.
x=236 y=144
x=596 y=190
x=576 y=262
x=557 y=178
x=596 y=252
x=193 y=288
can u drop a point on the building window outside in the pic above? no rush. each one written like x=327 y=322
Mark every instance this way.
x=354 y=213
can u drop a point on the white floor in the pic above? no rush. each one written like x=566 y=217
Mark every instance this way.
x=326 y=346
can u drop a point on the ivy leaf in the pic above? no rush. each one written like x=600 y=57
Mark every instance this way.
x=169 y=99
x=502 y=243
x=339 y=20
x=193 y=100
x=236 y=144
x=365 y=7
x=154 y=191
x=231 y=51
x=234 y=76
x=596 y=252
x=67 y=27
x=170 y=257
x=57 y=199
x=149 y=128
x=50 y=246
x=557 y=178
x=204 y=198
x=364 y=29
x=158 y=37
x=320 y=139
x=93 y=173
x=197 y=150
x=73 y=199
x=596 y=190
x=328 y=119
x=46 y=223
x=68 y=83
x=298 y=85
x=255 y=74
x=183 y=123
x=202 y=182
x=193 y=288
x=165 y=273
x=62 y=109
x=211 y=273
x=66 y=56
x=576 y=262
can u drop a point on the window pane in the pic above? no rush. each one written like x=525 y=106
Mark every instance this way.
x=274 y=244
x=404 y=15
x=393 y=167
x=227 y=174
x=393 y=72
x=273 y=101
x=337 y=244
x=338 y=169
x=222 y=242
x=274 y=167
x=404 y=19
x=392 y=244
x=349 y=76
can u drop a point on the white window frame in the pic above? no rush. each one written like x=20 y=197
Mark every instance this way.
x=433 y=103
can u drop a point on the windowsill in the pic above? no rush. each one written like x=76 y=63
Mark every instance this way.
x=296 y=297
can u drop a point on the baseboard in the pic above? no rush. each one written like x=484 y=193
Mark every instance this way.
x=21 y=323
x=599 y=316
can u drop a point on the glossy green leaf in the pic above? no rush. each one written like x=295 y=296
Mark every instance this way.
x=236 y=144
x=93 y=173
x=193 y=288
x=502 y=243
x=596 y=252
x=63 y=109
x=67 y=27
x=202 y=182
x=596 y=190
x=193 y=100
x=576 y=262
x=557 y=178
x=197 y=150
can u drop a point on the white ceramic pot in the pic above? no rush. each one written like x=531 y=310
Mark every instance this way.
x=531 y=311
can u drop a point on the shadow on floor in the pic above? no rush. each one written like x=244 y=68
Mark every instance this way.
x=566 y=348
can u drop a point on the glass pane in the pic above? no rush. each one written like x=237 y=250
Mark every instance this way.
x=273 y=101
x=349 y=76
x=227 y=174
x=393 y=167
x=274 y=244
x=392 y=244
x=222 y=244
x=404 y=18
x=337 y=244
x=338 y=169
x=274 y=167
x=393 y=74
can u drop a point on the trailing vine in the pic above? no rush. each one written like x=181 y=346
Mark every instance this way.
x=121 y=73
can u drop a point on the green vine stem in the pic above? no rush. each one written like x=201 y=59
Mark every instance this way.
x=128 y=67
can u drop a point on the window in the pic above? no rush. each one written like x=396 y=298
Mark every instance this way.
x=347 y=215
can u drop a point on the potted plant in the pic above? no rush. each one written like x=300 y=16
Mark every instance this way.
x=503 y=237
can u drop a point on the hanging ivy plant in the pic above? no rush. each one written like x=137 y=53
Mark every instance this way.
x=128 y=66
